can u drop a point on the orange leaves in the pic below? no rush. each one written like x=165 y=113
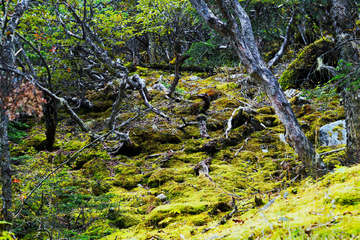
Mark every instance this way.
x=16 y=180
x=24 y=99
x=68 y=70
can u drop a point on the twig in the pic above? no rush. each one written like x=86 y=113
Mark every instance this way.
x=245 y=142
x=330 y=152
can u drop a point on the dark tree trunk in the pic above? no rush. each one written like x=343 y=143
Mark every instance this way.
x=245 y=46
x=177 y=75
x=50 y=114
x=343 y=23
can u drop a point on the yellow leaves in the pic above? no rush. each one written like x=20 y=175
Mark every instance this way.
x=173 y=61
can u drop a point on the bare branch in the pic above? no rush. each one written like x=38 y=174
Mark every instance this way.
x=276 y=59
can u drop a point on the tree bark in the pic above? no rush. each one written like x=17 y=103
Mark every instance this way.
x=177 y=75
x=245 y=46
x=7 y=55
x=5 y=173
x=343 y=23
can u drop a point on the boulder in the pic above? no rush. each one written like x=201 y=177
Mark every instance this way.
x=333 y=133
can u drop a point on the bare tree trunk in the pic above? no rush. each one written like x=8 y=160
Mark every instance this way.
x=152 y=48
x=7 y=56
x=5 y=173
x=245 y=46
x=343 y=23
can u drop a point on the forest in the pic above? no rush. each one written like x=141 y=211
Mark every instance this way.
x=179 y=119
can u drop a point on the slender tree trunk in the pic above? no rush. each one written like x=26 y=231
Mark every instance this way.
x=152 y=48
x=244 y=44
x=7 y=56
x=177 y=75
x=5 y=173
x=343 y=23
x=50 y=114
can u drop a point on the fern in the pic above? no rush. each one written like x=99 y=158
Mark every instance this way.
x=15 y=133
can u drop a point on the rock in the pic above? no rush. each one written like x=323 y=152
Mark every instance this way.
x=333 y=134
x=214 y=237
x=159 y=86
x=236 y=76
x=161 y=196
x=282 y=138
x=193 y=78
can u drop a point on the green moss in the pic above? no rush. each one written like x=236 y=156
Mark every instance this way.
x=161 y=176
x=123 y=219
x=268 y=120
x=304 y=60
x=96 y=168
x=223 y=103
x=127 y=181
x=334 y=159
x=165 y=214
x=266 y=110
x=99 y=187
x=37 y=141
x=88 y=155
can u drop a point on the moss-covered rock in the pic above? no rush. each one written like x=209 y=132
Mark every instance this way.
x=212 y=92
x=88 y=155
x=304 y=62
x=127 y=181
x=123 y=219
x=165 y=214
x=99 y=187
x=37 y=141
x=96 y=168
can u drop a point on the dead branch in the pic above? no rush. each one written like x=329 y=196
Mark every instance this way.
x=203 y=167
x=229 y=127
x=245 y=142
x=65 y=103
x=330 y=152
x=138 y=84
x=202 y=126
x=285 y=44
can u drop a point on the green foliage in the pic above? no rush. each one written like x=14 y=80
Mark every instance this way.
x=209 y=54
x=15 y=131
x=346 y=79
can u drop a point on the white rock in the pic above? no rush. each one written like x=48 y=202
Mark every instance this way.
x=282 y=138
x=333 y=134
x=193 y=78
x=161 y=196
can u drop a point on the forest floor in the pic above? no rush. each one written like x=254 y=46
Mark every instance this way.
x=155 y=188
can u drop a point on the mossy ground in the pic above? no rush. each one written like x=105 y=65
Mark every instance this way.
x=114 y=196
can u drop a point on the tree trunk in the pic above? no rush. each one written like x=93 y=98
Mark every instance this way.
x=152 y=48
x=5 y=173
x=245 y=46
x=7 y=56
x=343 y=23
x=177 y=75
x=50 y=114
